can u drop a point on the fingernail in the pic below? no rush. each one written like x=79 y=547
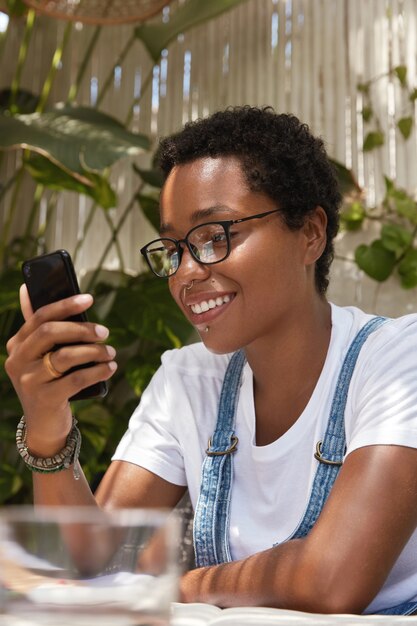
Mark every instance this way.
x=101 y=331
x=112 y=365
x=83 y=298
x=111 y=351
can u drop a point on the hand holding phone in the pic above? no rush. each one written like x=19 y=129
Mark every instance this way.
x=50 y=278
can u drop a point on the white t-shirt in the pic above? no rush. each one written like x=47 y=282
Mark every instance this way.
x=169 y=431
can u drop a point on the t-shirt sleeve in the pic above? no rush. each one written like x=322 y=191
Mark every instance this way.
x=382 y=399
x=150 y=440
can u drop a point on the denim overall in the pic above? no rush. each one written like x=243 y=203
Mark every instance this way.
x=211 y=520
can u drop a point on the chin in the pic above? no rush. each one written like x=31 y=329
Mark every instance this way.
x=219 y=347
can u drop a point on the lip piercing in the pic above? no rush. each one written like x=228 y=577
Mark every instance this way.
x=188 y=287
x=206 y=329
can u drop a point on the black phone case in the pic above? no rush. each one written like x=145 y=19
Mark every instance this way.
x=49 y=278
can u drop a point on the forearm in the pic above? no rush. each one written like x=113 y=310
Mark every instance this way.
x=289 y=576
x=61 y=488
x=268 y=578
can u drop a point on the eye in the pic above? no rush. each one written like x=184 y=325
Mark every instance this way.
x=219 y=237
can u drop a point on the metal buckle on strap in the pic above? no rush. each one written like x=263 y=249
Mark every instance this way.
x=232 y=448
x=318 y=455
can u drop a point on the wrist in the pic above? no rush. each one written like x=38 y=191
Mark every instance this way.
x=67 y=455
x=49 y=443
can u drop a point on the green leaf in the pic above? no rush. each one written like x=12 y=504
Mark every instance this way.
x=10 y=482
x=24 y=101
x=95 y=425
x=153 y=177
x=375 y=260
x=404 y=205
x=138 y=376
x=150 y=208
x=353 y=216
x=401 y=72
x=363 y=88
x=156 y=37
x=16 y=8
x=396 y=238
x=407 y=269
x=346 y=179
x=9 y=293
x=413 y=95
x=54 y=177
x=145 y=309
x=367 y=113
x=389 y=184
x=374 y=139
x=405 y=125
x=75 y=138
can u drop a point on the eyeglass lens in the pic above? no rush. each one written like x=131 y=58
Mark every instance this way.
x=208 y=243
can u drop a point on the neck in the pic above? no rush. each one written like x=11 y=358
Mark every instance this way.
x=286 y=366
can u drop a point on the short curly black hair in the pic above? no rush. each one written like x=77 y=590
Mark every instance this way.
x=279 y=157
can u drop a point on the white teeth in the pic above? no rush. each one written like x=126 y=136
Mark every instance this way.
x=206 y=305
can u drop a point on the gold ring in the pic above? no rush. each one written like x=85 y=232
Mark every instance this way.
x=48 y=364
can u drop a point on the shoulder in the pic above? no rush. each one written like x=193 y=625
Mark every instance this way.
x=394 y=340
x=395 y=334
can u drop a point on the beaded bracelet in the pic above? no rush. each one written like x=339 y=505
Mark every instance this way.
x=60 y=461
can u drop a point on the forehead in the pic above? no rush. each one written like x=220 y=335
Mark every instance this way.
x=202 y=184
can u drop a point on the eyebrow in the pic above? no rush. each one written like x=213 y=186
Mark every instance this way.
x=201 y=214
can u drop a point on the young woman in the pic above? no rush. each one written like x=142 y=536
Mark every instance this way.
x=293 y=423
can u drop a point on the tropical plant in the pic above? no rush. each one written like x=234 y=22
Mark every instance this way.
x=71 y=147
x=394 y=251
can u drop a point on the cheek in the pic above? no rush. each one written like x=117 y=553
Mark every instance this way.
x=174 y=290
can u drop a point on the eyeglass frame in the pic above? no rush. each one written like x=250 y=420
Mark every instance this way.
x=226 y=224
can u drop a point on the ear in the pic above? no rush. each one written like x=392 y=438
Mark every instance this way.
x=314 y=230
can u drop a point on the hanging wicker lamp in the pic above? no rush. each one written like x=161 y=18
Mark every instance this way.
x=99 y=11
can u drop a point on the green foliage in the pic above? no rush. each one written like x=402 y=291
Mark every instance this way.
x=374 y=139
x=375 y=260
x=91 y=184
x=144 y=322
x=353 y=215
x=74 y=138
x=72 y=148
x=407 y=269
x=394 y=253
x=405 y=125
x=156 y=37
x=16 y=8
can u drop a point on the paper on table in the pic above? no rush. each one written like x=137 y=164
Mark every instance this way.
x=207 y=615
x=131 y=591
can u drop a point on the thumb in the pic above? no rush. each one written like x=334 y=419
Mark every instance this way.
x=25 y=303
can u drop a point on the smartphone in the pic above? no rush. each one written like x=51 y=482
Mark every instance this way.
x=49 y=278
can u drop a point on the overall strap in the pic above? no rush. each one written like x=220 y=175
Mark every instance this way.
x=331 y=450
x=211 y=519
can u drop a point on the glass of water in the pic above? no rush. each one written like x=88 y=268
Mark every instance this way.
x=68 y=564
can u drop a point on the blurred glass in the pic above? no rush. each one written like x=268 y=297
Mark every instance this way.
x=65 y=565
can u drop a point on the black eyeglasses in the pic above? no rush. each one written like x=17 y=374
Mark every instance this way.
x=208 y=244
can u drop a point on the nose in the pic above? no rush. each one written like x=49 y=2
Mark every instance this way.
x=190 y=269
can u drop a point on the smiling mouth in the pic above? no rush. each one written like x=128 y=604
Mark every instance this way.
x=207 y=305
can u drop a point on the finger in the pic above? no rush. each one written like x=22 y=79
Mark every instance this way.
x=69 y=385
x=61 y=310
x=51 y=334
x=25 y=302
x=68 y=357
